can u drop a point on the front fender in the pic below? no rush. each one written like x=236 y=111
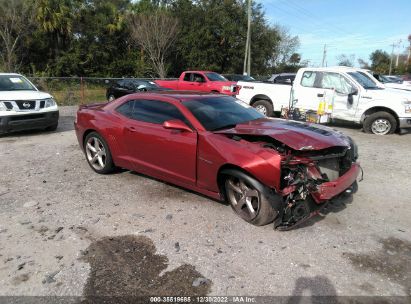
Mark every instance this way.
x=217 y=150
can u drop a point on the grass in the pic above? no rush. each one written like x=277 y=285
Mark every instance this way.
x=70 y=97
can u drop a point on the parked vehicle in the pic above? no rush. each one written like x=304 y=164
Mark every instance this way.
x=283 y=78
x=24 y=107
x=238 y=77
x=128 y=86
x=391 y=82
x=204 y=81
x=353 y=96
x=267 y=169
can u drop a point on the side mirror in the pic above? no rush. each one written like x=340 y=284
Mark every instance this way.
x=176 y=124
x=350 y=96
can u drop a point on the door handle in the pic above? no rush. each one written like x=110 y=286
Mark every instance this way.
x=320 y=95
x=131 y=129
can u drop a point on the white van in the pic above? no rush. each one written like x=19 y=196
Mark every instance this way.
x=24 y=107
x=353 y=95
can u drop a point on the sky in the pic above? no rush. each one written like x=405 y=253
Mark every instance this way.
x=346 y=26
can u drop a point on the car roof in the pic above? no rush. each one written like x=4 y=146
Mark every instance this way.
x=335 y=68
x=182 y=95
x=284 y=74
x=200 y=72
x=9 y=74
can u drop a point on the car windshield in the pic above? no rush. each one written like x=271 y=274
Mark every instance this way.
x=217 y=113
x=15 y=83
x=365 y=81
x=215 y=77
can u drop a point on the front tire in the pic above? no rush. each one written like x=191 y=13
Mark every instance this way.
x=247 y=198
x=98 y=154
x=264 y=107
x=380 y=123
x=111 y=97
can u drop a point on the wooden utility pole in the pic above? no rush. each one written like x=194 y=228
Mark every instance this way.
x=324 y=54
x=247 y=56
x=392 y=54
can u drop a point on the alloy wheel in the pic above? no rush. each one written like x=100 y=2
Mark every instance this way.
x=244 y=199
x=261 y=109
x=96 y=153
x=381 y=126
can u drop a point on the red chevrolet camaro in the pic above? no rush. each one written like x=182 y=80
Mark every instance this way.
x=267 y=169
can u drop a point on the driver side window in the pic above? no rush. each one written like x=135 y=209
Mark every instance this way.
x=336 y=82
x=198 y=78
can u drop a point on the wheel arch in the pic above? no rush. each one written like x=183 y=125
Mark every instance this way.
x=221 y=179
x=373 y=110
x=260 y=97
x=87 y=132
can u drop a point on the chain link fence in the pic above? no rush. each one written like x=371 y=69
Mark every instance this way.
x=70 y=91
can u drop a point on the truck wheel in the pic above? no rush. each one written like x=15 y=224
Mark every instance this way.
x=380 y=123
x=246 y=197
x=264 y=107
x=111 y=97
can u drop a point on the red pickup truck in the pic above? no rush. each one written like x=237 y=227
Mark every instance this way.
x=205 y=81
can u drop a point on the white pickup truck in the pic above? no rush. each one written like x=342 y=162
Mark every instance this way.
x=353 y=95
x=24 y=107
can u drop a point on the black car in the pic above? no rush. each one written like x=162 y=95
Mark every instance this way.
x=238 y=77
x=128 y=86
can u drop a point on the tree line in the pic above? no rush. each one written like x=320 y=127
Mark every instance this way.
x=148 y=38
x=381 y=62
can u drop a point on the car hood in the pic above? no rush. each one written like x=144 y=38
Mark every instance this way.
x=388 y=94
x=23 y=95
x=296 y=135
x=400 y=86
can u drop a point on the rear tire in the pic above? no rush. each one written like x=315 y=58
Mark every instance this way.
x=247 y=198
x=264 y=107
x=380 y=123
x=98 y=154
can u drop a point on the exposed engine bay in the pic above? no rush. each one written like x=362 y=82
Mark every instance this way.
x=306 y=176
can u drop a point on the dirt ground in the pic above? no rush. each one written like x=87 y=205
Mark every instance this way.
x=65 y=230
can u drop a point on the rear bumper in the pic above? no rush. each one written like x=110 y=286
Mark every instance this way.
x=405 y=122
x=15 y=123
x=328 y=190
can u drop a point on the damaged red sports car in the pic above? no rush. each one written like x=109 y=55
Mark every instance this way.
x=267 y=169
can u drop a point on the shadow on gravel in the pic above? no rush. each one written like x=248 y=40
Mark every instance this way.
x=392 y=261
x=319 y=288
x=173 y=191
x=336 y=205
x=128 y=267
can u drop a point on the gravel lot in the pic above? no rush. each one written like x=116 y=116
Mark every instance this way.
x=65 y=230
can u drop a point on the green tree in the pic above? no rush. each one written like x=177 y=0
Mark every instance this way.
x=346 y=60
x=380 y=61
x=15 y=25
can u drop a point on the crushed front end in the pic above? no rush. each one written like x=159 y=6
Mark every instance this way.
x=311 y=178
